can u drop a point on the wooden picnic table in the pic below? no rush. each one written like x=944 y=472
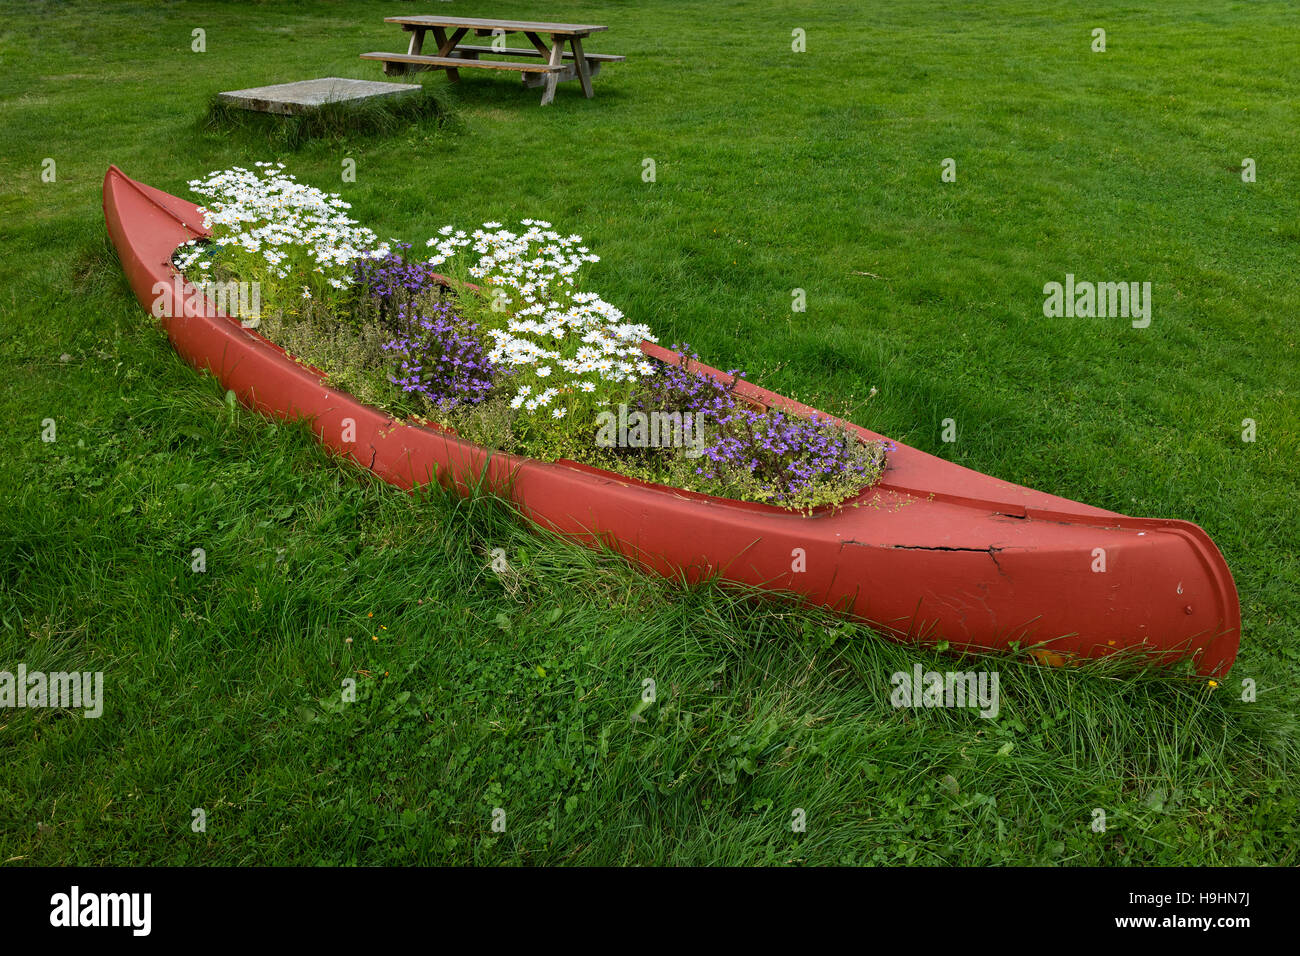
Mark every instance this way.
x=453 y=56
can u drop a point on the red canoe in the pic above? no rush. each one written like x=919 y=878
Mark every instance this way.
x=932 y=552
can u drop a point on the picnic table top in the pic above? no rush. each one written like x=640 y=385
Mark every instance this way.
x=528 y=26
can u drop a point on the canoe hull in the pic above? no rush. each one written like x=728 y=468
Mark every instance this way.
x=932 y=552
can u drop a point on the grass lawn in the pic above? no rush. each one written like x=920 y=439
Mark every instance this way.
x=775 y=171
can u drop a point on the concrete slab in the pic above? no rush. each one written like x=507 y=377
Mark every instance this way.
x=307 y=95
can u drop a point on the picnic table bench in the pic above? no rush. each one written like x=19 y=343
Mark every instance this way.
x=559 y=64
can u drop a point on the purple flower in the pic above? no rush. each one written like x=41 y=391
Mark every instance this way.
x=787 y=454
x=440 y=357
x=393 y=281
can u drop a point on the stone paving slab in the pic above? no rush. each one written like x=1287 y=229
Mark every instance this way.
x=307 y=95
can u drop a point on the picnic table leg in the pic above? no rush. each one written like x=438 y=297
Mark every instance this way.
x=413 y=47
x=536 y=41
x=417 y=42
x=556 y=60
x=444 y=48
x=584 y=72
x=542 y=48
